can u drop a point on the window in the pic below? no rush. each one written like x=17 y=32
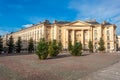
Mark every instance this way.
x=95 y=46
x=95 y=32
x=108 y=38
x=70 y=37
x=108 y=45
x=60 y=31
x=108 y=32
x=77 y=35
x=38 y=32
x=85 y=32
x=47 y=31
x=59 y=37
x=95 y=38
x=85 y=46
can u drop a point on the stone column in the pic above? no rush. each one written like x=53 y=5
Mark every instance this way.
x=66 y=39
x=55 y=32
x=89 y=38
x=82 y=36
x=39 y=33
x=73 y=36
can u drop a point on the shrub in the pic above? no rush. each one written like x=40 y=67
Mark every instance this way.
x=101 y=45
x=11 y=45
x=30 y=45
x=76 y=49
x=90 y=46
x=42 y=49
x=19 y=45
x=53 y=49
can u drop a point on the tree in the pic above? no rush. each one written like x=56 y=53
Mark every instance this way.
x=90 y=46
x=42 y=49
x=101 y=45
x=30 y=45
x=70 y=46
x=51 y=50
x=1 y=44
x=10 y=45
x=54 y=49
x=18 y=45
x=76 y=49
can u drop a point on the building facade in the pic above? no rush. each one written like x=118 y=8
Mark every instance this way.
x=69 y=31
x=118 y=43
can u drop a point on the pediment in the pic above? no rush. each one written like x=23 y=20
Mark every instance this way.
x=78 y=23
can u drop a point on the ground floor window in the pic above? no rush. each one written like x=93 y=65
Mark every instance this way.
x=95 y=46
x=108 y=45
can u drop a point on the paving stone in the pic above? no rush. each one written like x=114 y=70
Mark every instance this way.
x=109 y=73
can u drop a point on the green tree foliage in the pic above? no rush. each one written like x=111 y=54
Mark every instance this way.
x=1 y=44
x=70 y=46
x=76 y=49
x=42 y=49
x=10 y=45
x=101 y=45
x=30 y=45
x=90 y=45
x=18 y=45
x=53 y=49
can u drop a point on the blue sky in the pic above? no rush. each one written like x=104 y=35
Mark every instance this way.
x=16 y=14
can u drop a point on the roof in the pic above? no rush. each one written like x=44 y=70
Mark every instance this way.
x=92 y=22
x=62 y=22
x=106 y=23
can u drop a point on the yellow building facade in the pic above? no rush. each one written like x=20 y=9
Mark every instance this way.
x=118 y=41
x=69 y=31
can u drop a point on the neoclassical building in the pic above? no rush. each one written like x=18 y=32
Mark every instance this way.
x=69 y=31
x=118 y=43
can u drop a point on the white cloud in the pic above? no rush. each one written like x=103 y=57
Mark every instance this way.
x=101 y=9
x=27 y=25
x=97 y=9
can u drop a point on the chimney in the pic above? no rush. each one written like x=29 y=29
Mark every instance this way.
x=104 y=22
x=46 y=21
x=55 y=21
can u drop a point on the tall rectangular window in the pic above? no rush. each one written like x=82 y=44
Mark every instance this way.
x=108 y=37
x=59 y=37
x=108 y=32
x=108 y=45
x=59 y=31
x=95 y=34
